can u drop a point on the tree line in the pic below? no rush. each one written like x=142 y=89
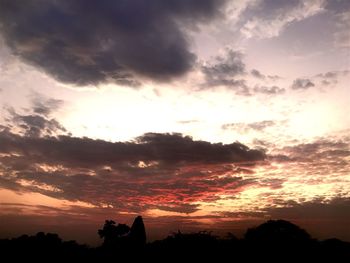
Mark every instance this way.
x=272 y=241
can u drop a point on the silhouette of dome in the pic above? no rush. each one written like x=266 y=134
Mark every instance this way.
x=277 y=231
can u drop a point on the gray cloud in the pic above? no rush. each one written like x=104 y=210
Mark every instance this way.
x=337 y=6
x=330 y=151
x=331 y=78
x=269 y=90
x=85 y=42
x=226 y=70
x=337 y=208
x=302 y=84
x=35 y=125
x=274 y=77
x=187 y=121
x=256 y=73
x=245 y=127
x=341 y=9
x=333 y=74
x=268 y=18
x=37 y=121
x=44 y=106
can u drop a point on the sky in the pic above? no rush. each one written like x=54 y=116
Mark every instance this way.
x=196 y=114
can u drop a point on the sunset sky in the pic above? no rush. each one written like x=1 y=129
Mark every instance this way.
x=196 y=114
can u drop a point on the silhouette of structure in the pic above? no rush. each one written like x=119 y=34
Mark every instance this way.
x=138 y=233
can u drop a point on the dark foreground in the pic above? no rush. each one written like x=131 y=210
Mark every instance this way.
x=273 y=241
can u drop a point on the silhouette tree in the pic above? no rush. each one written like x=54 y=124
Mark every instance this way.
x=112 y=233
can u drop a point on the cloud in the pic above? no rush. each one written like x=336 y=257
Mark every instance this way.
x=169 y=172
x=257 y=74
x=45 y=106
x=269 y=90
x=229 y=70
x=302 y=84
x=336 y=209
x=246 y=127
x=37 y=121
x=332 y=75
x=224 y=67
x=265 y=88
x=266 y=19
x=321 y=149
x=274 y=77
x=337 y=6
x=35 y=125
x=187 y=121
x=87 y=43
x=226 y=70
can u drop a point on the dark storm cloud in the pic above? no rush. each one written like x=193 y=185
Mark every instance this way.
x=302 y=84
x=164 y=171
x=88 y=42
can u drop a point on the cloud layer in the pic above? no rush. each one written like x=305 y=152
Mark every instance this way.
x=165 y=171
